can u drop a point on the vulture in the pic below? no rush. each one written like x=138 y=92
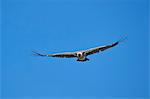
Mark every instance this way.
x=82 y=54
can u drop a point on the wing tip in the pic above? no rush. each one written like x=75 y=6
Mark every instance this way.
x=123 y=39
x=38 y=54
x=119 y=41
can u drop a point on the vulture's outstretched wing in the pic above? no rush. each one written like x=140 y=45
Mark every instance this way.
x=101 y=48
x=61 y=55
x=64 y=55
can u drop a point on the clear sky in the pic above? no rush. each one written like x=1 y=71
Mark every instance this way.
x=50 y=26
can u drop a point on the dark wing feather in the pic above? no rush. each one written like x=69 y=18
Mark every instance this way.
x=61 y=55
x=102 y=48
x=38 y=54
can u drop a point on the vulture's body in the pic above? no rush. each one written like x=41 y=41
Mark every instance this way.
x=81 y=55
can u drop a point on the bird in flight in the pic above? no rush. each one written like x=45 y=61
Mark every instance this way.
x=81 y=55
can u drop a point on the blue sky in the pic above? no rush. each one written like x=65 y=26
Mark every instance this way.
x=50 y=26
